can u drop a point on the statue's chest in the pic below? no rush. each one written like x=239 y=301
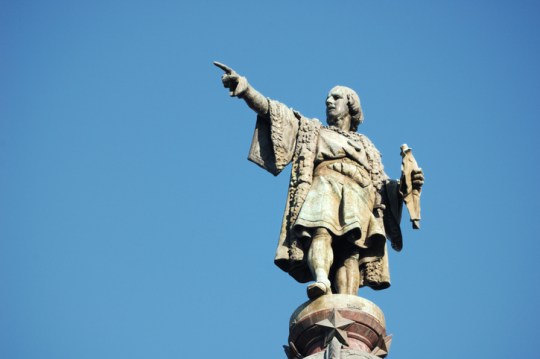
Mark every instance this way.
x=333 y=145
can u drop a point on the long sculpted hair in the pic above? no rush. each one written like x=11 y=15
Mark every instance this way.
x=355 y=108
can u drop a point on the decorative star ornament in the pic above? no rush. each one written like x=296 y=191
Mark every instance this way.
x=335 y=328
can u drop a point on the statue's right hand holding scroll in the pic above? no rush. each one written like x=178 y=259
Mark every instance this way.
x=412 y=180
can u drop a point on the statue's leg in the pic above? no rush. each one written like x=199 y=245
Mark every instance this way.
x=320 y=258
x=347 y=277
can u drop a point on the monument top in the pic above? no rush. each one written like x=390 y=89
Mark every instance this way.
x=341 y=206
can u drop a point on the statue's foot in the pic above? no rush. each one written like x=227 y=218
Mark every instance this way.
x=317 y=289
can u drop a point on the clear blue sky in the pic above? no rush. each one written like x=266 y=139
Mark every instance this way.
x=132 y=225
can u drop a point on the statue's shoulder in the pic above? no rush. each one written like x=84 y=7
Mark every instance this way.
x=306 y=121
x=368 y=144
x=362 y=137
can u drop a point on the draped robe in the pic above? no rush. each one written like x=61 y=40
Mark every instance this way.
x=337 y=182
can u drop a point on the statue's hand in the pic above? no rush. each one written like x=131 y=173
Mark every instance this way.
x=236 y=84
x=417 y=179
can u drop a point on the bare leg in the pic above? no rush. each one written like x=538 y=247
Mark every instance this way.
x=320 y=258
x=348 y=275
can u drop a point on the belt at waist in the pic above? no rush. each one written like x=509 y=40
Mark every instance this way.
x=345 y=167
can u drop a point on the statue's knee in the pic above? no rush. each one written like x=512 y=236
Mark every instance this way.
x=355 y=257
x=322 y=232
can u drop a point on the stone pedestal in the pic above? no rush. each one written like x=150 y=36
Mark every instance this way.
x=338 y=326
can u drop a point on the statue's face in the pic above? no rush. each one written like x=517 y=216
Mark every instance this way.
x=337 y=111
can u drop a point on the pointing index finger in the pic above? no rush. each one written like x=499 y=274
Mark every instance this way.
x=224 y=67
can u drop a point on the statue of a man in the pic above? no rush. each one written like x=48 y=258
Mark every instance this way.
x=341 y=205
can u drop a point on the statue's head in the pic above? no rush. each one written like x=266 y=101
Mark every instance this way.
x=343 y=108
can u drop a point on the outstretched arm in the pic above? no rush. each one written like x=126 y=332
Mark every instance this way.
x=239 y=87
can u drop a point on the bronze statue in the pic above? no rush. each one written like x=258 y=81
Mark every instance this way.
x=341 y=205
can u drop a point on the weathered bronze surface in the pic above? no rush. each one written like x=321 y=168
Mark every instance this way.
x=341 y=206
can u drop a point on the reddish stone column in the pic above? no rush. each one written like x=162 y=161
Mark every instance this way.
x=338 y=323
